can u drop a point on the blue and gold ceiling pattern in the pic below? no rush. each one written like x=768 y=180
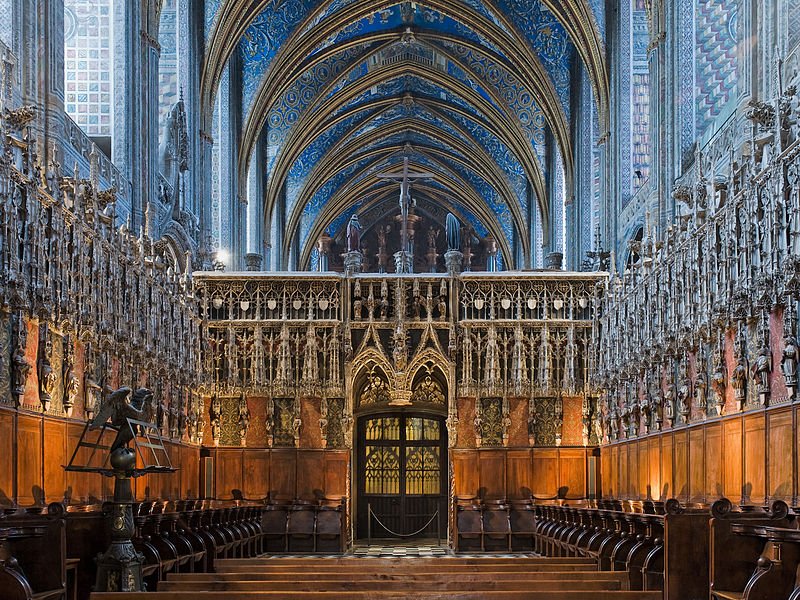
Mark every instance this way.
x=339 y=91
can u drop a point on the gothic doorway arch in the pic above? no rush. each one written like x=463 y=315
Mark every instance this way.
x=401 y=458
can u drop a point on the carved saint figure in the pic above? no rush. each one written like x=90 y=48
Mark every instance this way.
x=669 y=405
x=739 y=383
x=789 y=364
x=47 y=375
x=761 y=369
x=20 y=367
x=700 y=387
x=718 y=385
x=684 y=393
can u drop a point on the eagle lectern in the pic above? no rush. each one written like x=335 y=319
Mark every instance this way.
x=119 y=569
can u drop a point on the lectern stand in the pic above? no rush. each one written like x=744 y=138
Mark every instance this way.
x=119 y=569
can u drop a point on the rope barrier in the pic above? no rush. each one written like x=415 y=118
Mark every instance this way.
x=371 y=514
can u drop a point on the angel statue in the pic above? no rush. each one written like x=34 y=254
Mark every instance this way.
x=118 y=409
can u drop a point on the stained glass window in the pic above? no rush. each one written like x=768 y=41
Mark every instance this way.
x=422 y=470
x=382 y=474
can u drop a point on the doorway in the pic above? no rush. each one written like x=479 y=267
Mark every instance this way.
x=402 y=476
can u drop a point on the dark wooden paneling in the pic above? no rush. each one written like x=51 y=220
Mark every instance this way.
x=493 y=476
x=228 y=472
x=681 y=463
x=283 y=473
x=780 y=450
x=713 y=461
x=545 y=473
x=667 y=472
x=337 y=463
x=614 y=471
x=696 y=465
x=754 y=458
x=749 y=458
x=654 y=462
x=190 y=472
x=518 y=473
x=572 y=472
x=605 y=470
x=29 y=459
x=310 y=474
x=465 y=472
x=7 y=490
x=55 y=456
x=732 y=459
x=644 y=469
x=256 y=473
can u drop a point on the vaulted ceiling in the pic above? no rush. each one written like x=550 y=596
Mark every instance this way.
x=338 y=91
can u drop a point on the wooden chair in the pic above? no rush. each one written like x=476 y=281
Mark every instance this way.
x=301 y=528
x=496 y=527
x=469 y=528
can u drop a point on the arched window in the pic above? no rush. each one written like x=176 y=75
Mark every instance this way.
x=88 y=68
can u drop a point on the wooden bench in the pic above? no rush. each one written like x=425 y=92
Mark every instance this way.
x=755 y=552
x=644 y=539
x=496 y=525
x=33 y=554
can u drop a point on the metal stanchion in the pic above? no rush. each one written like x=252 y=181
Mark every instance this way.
x=438 y=528
x=369 y=524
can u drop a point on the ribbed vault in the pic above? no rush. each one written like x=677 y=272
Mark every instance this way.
x=328 y=89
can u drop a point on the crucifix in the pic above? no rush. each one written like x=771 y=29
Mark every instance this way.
x=406 y=178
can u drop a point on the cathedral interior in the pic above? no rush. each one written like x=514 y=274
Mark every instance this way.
x=501 y=280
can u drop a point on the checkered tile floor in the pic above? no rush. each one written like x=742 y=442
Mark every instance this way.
x=390 y=549
x=401 y=550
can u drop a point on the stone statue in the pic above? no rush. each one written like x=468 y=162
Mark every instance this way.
x=789 y=364
x=739 y=383
x=20 y=367
x=760 y=370
x=116 y=408
x=700 y=387
x=669 y=404
x=718 y=383
x=684 y=394
x=47 y=375
x=453 y=233
x=354 y=234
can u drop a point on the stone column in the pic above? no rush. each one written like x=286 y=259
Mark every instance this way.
x=41 y=67
x=252 y=261
x=324 y=248
x=353 y=262
x=453 y=260
x=491 y=253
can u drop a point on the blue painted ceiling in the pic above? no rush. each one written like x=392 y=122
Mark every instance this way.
x=439 y=75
